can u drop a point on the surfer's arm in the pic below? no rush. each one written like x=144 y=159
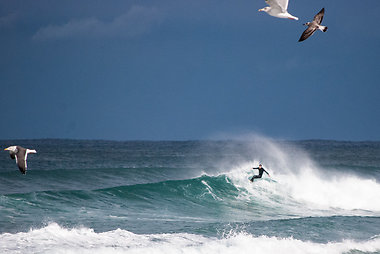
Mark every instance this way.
x=266 y=172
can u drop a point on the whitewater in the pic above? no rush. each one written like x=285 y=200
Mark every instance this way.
x=192 y=197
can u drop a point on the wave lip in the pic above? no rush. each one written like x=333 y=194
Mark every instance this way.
x=56 y=239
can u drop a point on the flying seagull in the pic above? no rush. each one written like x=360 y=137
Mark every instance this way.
x=278 y=8
x=314 y=25
x=20 y=154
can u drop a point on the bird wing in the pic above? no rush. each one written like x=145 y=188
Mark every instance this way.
x=21 y=160
x=278 y=4
x=307 y=33
x=319 y=17
x=21 y=163
x=12 y=155
x=282 y=4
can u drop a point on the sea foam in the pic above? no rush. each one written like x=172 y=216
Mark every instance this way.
x=56 y=239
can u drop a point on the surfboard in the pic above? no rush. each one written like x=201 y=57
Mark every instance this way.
x=262 y=179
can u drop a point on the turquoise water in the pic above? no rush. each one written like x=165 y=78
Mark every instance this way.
x=191 y=197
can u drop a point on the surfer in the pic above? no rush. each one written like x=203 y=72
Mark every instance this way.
x=261 y=171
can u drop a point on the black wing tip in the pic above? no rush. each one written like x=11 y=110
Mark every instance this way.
x=321 y=12
x=22 y=167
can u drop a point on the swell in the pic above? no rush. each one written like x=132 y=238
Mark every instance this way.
x=84 y=179
x=307 y=188
x=201 y=204
x=226 y=197
x=195 y=190
x=181 y=200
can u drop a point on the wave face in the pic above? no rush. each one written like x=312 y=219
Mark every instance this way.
x=193 y=197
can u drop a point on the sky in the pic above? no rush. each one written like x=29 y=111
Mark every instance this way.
x=187 y=69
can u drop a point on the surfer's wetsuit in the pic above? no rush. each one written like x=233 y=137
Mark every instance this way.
x=261 y=171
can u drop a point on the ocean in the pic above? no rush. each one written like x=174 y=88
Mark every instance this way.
x=94 y=196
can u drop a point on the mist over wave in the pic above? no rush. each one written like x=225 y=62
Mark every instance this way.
x=300 y=181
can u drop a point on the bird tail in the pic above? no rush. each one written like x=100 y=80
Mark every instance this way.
x=324 y=29
x=293 y=17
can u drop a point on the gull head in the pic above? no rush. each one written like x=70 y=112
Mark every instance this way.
x=266 y=9
x=11 y=148
x=306 y=24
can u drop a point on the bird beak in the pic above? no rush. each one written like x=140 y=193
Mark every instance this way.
x=6 y=149
x=260 y=10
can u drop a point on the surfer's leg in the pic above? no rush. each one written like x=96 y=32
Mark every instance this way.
x=254 y=177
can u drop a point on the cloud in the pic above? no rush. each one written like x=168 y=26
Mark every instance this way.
x=9 y=20
x=135 y=22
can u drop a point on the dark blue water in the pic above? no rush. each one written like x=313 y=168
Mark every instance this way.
x=191 y=197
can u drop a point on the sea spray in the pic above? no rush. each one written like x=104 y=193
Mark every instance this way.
x=301 y=180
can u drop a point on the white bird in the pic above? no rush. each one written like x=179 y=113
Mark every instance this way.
x=314 y=25
x=20 y=154
x=278 y=8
